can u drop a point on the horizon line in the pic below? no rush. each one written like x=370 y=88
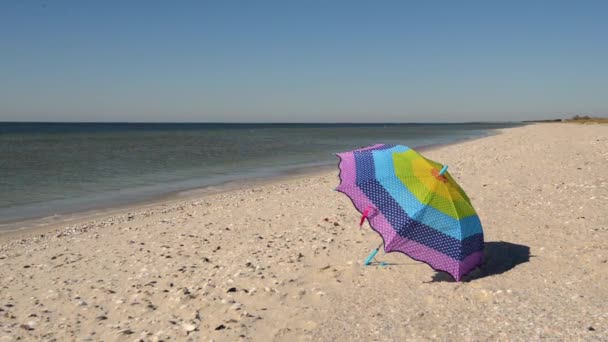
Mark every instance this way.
x=267 y=122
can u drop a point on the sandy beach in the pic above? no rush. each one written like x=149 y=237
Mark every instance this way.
x=282 y=261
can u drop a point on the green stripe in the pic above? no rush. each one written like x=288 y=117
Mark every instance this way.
x=449 y=177
x=457 y=209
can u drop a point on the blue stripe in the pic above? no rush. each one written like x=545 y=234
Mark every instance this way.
x=405 y=226
x=365 y=176
x=430 y=216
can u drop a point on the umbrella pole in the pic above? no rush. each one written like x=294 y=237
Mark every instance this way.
x=371 y=256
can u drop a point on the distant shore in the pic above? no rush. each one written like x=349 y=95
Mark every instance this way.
x=282 y=259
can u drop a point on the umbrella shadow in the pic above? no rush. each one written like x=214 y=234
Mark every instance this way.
x=499 y=257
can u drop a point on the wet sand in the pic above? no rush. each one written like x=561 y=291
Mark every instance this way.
x=283 y=260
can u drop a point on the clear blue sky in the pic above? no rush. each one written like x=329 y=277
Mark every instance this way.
x=302 y=61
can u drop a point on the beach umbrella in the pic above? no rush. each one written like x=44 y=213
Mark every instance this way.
x=415 y=205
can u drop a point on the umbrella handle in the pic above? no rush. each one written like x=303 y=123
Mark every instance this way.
x=371 y=256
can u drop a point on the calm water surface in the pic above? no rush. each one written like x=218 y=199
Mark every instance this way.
x=58 y=168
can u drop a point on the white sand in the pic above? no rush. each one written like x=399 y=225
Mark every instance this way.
x=283 y=261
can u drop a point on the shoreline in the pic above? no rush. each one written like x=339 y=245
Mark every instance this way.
x=29 y=228
x=44 y=224
x=73 y=183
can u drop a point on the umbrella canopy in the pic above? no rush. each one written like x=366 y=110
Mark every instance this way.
x=415 y=205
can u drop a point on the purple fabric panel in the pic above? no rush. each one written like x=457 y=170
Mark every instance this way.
x=420 y=252
x=469 y=263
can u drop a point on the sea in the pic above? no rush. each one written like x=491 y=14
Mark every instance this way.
x=54 y=169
